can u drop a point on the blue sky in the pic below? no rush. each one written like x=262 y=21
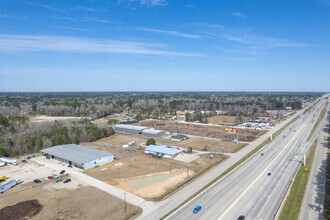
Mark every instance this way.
x=165 y=45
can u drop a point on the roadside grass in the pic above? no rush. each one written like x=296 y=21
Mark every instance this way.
x=319 y=119
x=292 y=204
x=326 y=213
x=218 y=177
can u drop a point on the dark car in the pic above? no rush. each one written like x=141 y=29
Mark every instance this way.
x=262 y=154
x=197 y=209
x=67 y=180
x=37 y=181
x=60 y=180
x=24 y=161
x=242 y=217
x=70 y=165
x=62 y=172
x=269 y=174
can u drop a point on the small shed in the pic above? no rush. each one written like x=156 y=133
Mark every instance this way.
x=179 y=137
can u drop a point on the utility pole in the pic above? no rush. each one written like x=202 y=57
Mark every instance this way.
x=125 y=201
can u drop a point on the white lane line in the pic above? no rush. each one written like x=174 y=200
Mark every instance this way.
x=261 y=173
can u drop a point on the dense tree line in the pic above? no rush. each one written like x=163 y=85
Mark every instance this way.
x=96 y=105
x=31 y=138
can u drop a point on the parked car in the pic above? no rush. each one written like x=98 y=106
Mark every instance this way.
x=67 y=180
x=50 y=177
x=197 y=209
x=59 y=180
x=242 y=217
x=269 y=174
x=62 y=172
x=37 y=181
x=54 y=176
x=24 y=161
x=70 y=165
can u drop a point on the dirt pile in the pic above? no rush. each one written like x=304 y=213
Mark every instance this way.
x=21 y=210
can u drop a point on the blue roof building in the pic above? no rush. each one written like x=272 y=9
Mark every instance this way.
x=163 y=151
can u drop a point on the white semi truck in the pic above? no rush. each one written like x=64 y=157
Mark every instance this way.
x=9 y=185
x=8 y=160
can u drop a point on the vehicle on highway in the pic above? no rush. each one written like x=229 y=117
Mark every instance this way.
x=37 y=181
x=262 y=154
x=269 y=174
x=50 y=177
x=60 y=180
x=67 y=180
x=242 y=217
x=62 y=172
x=197 y=209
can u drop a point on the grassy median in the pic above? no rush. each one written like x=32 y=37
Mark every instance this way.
x=293 y=202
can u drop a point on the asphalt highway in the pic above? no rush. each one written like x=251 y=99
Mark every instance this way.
x=249 y=190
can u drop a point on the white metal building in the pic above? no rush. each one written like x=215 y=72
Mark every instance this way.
x=79 y=156
x=163 y=151
x=130 y=128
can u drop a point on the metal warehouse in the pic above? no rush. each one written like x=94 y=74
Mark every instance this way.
x=130 y=129
x=153 y=132
x=162 y=151
x=79 y=156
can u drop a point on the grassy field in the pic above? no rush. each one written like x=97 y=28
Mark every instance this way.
x=120 y=139
x=225 y=120
x=293 y=202
x=137 y=165
x=319 y=119
x=202 y=130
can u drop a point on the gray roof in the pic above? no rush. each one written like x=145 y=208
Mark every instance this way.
x=75 y=153
x=179 y=136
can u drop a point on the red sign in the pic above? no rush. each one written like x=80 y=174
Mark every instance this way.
x=231 y=130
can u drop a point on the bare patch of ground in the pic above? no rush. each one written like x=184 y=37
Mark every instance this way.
x=81 y=203
x=21 y=210
x=45 y=118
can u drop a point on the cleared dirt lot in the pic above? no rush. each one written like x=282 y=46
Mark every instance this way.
x=120 y=139
x=59 y=200
x=81 y=203
x=201 y=130
x=225 y=120
x=136 y=165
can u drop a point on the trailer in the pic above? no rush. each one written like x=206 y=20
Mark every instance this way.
x=8 y=160
x=2 y=163
x=9 y=185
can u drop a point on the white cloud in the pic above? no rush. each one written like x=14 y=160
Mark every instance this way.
x=17 y=43
x=245 y=36
x=146 y=2
x=71 y=28
x=172 y=33
x=237 y=14
x=96 y=20
x=84 y=8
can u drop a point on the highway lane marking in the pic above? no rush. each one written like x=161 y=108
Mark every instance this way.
x=261 y=173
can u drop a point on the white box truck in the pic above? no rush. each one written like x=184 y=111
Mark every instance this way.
x=8 y=160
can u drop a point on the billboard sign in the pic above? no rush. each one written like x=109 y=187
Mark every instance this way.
x=231 y=130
